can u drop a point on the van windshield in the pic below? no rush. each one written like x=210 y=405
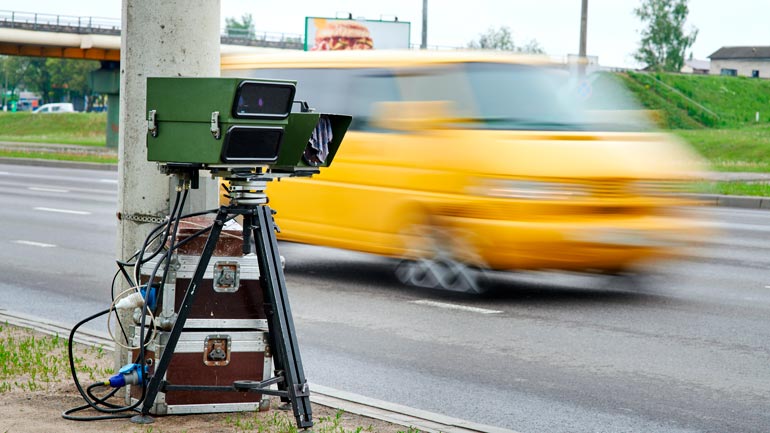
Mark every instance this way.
x=522 y=97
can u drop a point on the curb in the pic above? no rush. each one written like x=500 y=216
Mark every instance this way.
x=736 y=201
x=352 y=403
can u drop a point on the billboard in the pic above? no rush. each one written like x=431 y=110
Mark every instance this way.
x=327 y=34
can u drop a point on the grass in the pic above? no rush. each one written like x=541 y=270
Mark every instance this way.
x=29 y=361
x=734 y=100
x=746 y=149
x=756 y=189
x=86 y=129
x=284 y=423
x=60 y=156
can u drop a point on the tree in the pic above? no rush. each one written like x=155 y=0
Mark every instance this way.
x=243 y=28
x=502 y=40
x=664 y=41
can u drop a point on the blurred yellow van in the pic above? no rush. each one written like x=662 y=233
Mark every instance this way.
x=457 y=163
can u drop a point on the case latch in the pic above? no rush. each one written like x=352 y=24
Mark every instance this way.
x=215 y=131
x=152 y=124
x=216 y=350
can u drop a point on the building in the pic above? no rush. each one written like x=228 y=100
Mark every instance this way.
x=741 y=61
x=695 y=66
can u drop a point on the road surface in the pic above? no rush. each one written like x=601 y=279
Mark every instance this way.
x=690 y=352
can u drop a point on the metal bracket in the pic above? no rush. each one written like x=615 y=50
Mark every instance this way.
x=152 y=124
x=215 y=131
x=140 y=218
x=302 y=389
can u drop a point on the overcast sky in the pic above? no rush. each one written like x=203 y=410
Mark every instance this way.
x=613 y=30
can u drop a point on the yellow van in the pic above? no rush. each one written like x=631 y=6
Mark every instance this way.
x=457 y=163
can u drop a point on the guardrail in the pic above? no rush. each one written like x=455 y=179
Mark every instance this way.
x=111 y=26
x=59 y=23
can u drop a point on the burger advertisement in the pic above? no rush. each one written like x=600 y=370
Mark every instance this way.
x=332 y=34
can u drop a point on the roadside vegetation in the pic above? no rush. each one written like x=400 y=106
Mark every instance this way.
x=717 y=115
x=85 y=129
x=35 y=378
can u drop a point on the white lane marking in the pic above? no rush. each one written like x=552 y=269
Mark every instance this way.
x=4 y=172
x=42 y=189
x=108 y=180
x=73 y=212
x=34 y=244
x=455 y=307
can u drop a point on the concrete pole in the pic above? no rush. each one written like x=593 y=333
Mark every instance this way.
x=169 y=38
x=424 y=42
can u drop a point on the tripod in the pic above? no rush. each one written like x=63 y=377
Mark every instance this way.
x=248 y=200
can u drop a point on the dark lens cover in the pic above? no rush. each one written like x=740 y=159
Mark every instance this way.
x=259 y=99
x=252 y=144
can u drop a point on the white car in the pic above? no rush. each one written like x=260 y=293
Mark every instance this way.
x=57 y=107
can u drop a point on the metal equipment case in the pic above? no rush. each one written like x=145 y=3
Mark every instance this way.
x=225 y=336
x=213 y=357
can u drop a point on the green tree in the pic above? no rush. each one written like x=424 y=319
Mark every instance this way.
x=664 y=41
x=243 y=28
x=13 y=69
x=502 y=40
x=69 y=77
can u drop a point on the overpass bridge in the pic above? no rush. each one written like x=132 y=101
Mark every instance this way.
x=93 y=38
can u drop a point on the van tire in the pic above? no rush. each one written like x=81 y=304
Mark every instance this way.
x=440 y=274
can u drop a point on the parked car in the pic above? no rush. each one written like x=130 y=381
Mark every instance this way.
x=56 y=107
x=463 y=162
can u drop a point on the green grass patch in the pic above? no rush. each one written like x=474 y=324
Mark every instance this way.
x=746 y=149
x=29 y=361
x=696 y=99
x=60 y=156
x=756 y=189
x=88 y=129
x=735 y=99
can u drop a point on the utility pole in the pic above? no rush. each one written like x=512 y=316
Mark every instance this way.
x=583 y=30
x=424 y=42
x=170 y=38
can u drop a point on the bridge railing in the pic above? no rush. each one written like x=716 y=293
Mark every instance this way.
x=111 y=26
x=59 y=23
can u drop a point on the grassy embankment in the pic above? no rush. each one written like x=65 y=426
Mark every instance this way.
x=717 y=116
x=83 y=129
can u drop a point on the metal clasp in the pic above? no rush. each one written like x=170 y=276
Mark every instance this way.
x=215 y=131
x=152 y=124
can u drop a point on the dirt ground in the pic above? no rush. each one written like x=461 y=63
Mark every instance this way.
x=40 y=410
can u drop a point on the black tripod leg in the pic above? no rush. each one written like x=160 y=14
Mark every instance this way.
x=280 y=322
x=189 y=297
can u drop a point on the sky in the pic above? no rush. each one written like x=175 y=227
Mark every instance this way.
x=613 y=30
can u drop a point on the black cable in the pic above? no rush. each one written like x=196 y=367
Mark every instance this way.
x=111 y=409
x=101 y=404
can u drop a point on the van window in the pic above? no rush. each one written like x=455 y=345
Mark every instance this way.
x=510 y=96
x=369 y=87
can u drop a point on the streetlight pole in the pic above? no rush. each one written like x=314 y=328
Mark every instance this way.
x=583 y=29
x=424 y=42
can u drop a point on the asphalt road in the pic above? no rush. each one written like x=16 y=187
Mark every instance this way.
x=688 y=352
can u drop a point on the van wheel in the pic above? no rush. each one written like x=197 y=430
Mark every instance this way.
x=439 y=273
x=429 y=262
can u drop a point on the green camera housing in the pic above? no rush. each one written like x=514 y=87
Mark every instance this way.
x=237 y=122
